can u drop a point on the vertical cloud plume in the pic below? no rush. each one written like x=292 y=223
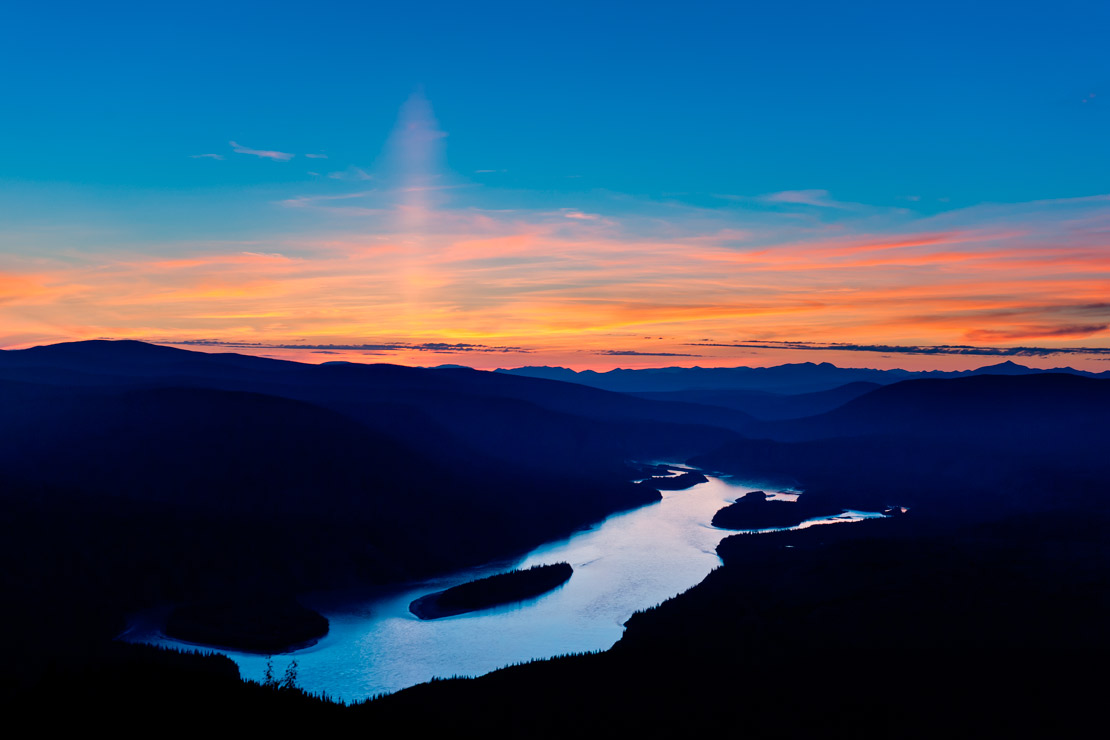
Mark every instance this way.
x=412 y=167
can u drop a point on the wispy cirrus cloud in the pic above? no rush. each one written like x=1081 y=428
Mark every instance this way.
x=263 y=153
x=352 y=173
x=207 y=156
x=815 y=198
x=580 y=215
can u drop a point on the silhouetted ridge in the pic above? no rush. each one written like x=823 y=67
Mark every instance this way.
x=117 y=350
x=803 y=377
x=131 y=358
x=1006 y=367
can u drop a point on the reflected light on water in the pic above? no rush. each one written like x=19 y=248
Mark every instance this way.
x=631 y=561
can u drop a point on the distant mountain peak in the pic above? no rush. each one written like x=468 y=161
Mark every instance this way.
x=1005 y=367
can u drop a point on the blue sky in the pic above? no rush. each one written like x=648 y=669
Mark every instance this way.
x=879 y=112
x=967 y=101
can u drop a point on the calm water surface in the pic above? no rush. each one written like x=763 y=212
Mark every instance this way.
x=628 y=562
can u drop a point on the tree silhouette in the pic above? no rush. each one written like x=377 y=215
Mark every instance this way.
x=289 y=681
x=269 y=681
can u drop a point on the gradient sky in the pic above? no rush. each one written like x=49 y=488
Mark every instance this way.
x=497 y=184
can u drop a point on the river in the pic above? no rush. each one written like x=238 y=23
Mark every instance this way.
x=628 y=562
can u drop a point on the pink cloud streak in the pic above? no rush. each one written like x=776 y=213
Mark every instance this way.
x=263 y=153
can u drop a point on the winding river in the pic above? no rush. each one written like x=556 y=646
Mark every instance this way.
x=630 y=561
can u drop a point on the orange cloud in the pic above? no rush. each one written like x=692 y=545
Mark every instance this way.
x=563 y=284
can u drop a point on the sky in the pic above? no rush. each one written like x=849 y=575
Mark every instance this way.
x=592 y=185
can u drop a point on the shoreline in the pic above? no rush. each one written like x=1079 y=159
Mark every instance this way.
x=218 y=648
x=427 y=607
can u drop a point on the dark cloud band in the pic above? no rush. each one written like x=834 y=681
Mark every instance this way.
x=942 y=349
x=447 y=347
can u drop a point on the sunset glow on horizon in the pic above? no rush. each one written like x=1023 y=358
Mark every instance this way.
x=402 y=258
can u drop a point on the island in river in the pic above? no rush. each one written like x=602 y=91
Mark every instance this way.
x=685 y=479
x=503 y=588
x=268 y=624
x=756 y=510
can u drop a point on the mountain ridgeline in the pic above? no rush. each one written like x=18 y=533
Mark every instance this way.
x=791 y=379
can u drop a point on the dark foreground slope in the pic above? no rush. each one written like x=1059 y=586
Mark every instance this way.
x=884 y=628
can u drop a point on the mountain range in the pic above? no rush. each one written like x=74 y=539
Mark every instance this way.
x=803 y=377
